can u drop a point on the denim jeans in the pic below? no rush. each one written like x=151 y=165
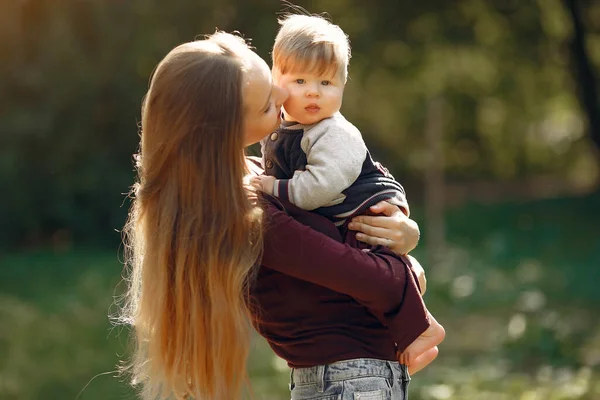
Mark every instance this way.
x=359 y=379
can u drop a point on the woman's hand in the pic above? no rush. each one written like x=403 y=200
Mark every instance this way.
x=393 y=229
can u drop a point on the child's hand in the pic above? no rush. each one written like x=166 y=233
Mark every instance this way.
x=264 y=183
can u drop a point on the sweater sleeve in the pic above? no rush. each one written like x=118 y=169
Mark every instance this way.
x=380 y=281
x=335 y=153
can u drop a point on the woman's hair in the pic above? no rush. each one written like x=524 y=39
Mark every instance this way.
x=193 y=236
x=310 y=43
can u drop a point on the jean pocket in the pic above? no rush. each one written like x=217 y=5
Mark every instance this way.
x=310 y=392
x=325 y=397
x=380 y=394
x=367 y=388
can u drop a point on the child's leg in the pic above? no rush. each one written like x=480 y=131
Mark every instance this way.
x=423 y=346
x=423 y=360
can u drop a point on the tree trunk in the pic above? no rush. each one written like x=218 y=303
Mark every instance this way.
x=583 y=72
x=434 y=183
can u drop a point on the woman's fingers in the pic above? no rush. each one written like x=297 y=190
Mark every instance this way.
x=383 y=222
x=392 y=238
x=375 y=241
x=391 y=228
x=374 y=235
x=371 y=230
x=385 y=208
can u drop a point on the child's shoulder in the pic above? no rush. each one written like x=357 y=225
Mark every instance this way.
x=338 y=122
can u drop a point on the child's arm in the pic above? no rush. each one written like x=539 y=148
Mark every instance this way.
x=335 y=153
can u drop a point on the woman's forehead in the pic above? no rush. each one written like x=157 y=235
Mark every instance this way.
x=257 y=83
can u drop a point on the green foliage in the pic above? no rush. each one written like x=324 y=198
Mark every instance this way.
x=517 y=292
x=72 y=75
x=517 y=299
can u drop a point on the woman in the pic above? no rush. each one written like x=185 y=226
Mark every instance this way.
x=196 y=233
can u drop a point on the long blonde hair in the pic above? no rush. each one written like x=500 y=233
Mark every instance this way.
x=193 y=236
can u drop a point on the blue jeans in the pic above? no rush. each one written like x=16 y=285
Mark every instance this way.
x=359 y=379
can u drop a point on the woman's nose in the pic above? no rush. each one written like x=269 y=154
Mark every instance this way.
x=281 y=94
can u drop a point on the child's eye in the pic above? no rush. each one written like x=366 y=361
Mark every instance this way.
x=268 y=108
x=300 y=81
x=325 y=83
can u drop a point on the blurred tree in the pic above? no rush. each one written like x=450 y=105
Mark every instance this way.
x=584 y=74
x=73 y=73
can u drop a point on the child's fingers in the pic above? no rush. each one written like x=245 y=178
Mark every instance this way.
x=423 y=360
x=255 y=183
x=403 y=358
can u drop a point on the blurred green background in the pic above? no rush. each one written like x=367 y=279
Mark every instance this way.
x=487 y=111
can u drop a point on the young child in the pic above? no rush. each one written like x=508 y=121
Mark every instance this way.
x=318 y=160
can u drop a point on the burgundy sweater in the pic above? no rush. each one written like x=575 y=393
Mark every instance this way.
x=317 y=300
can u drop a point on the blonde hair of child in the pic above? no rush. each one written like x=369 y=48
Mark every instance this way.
x=310 y=43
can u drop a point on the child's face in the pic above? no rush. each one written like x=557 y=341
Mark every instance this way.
x=312 y=97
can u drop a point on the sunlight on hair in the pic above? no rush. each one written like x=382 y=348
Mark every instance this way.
x=188 y=263
x=311 y=43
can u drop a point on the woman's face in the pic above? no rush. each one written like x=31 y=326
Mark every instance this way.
x=262 y=101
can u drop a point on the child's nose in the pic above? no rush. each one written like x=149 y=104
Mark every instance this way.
x=312 y=91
